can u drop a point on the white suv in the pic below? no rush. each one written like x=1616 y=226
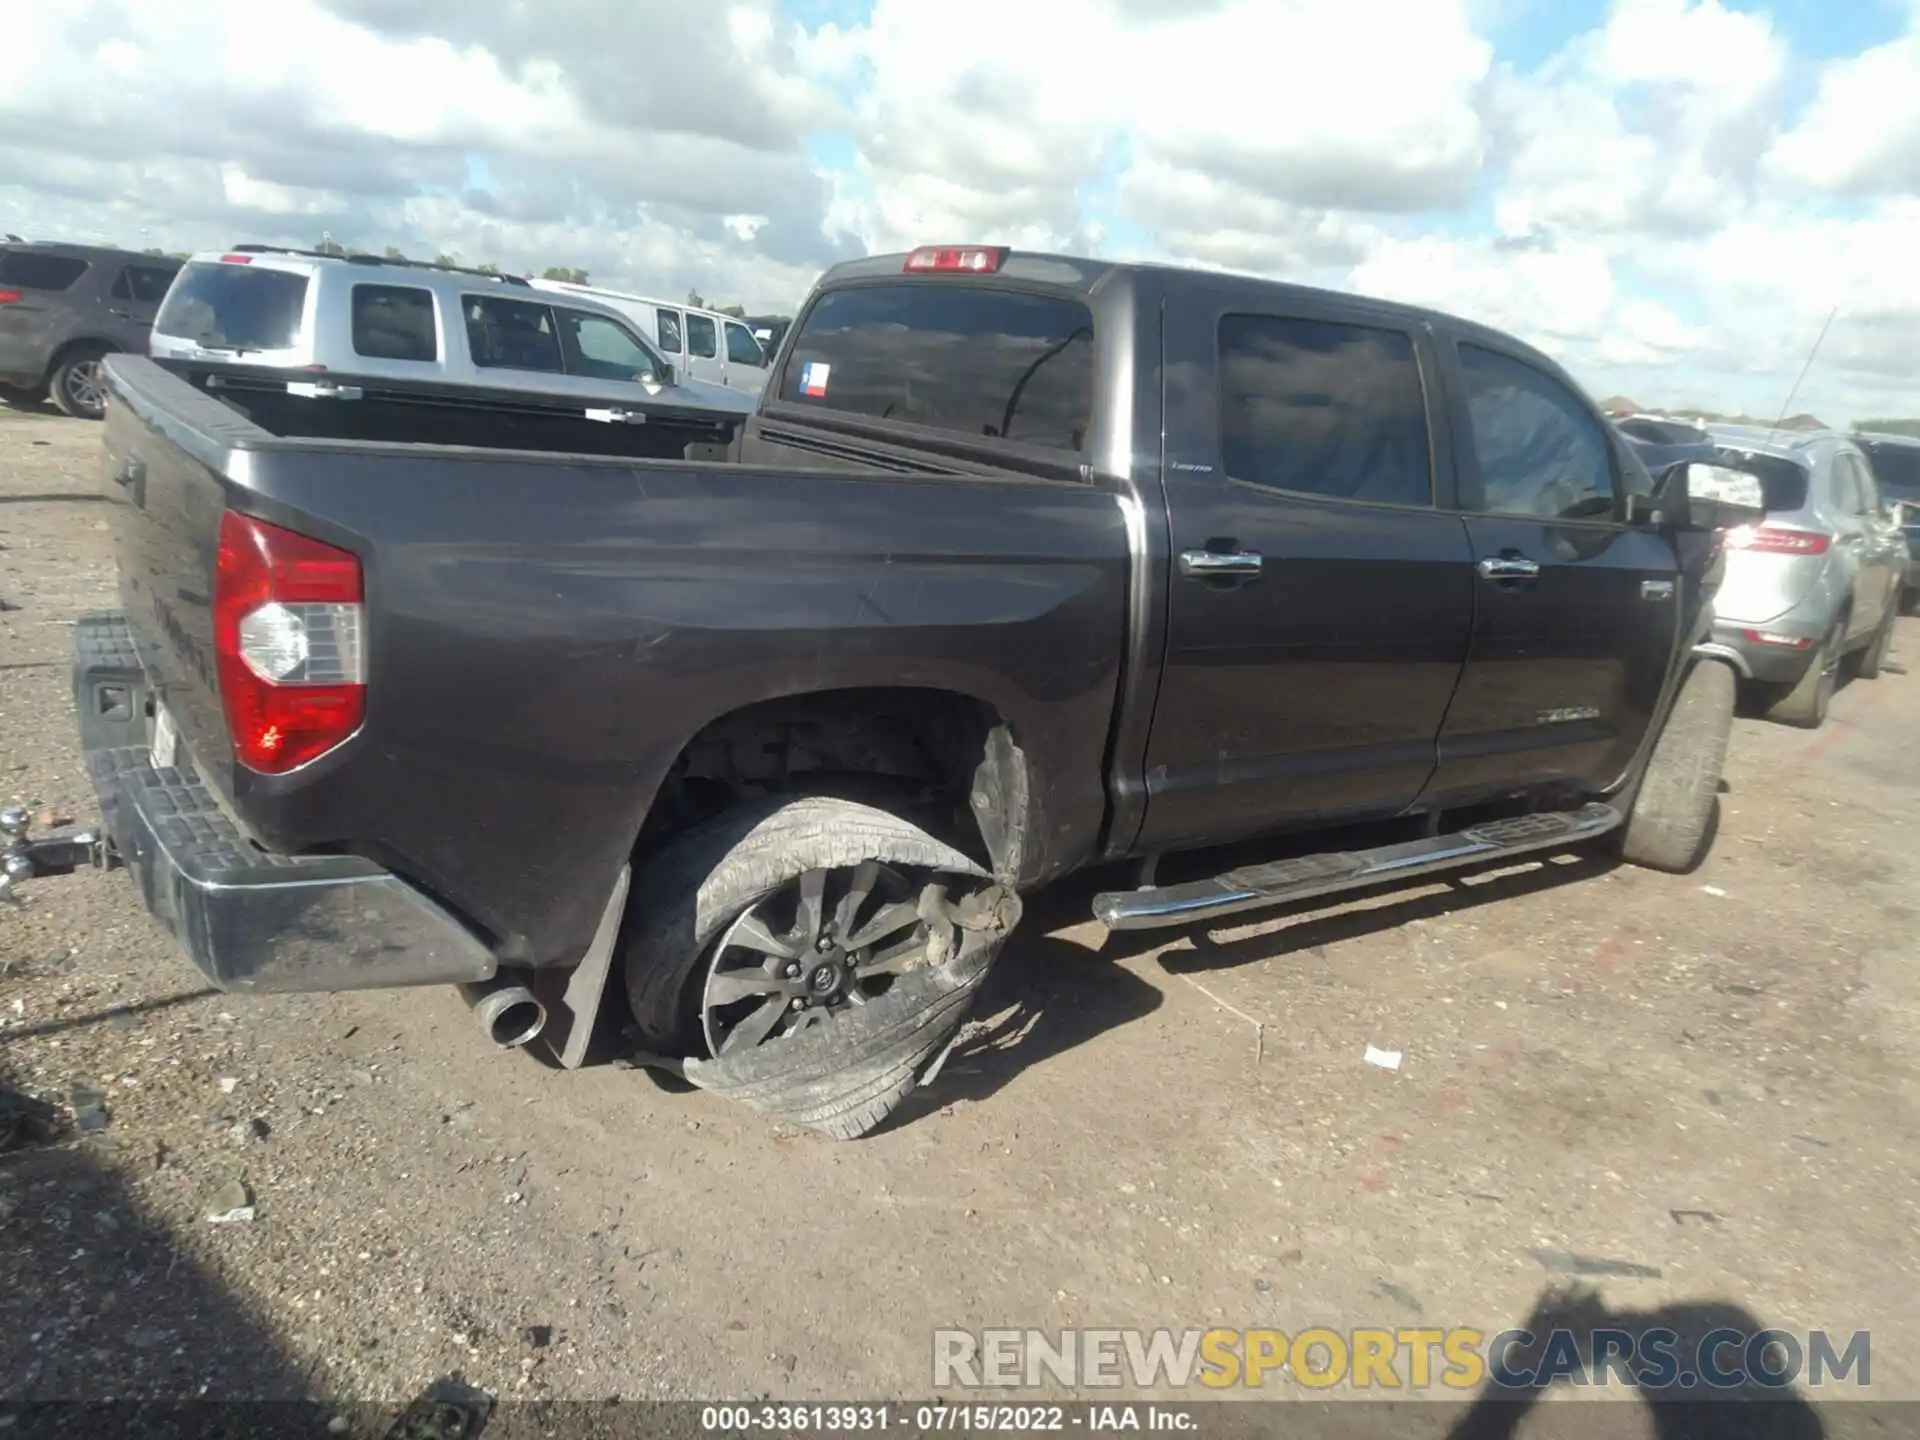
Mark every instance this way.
x=359 y=316
x=705 y=343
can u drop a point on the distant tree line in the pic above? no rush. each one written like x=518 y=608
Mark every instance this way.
x=1888 y=427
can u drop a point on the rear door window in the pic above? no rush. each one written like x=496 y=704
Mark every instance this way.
x=31 y=270
x=964 y=358
x=142 y=284
x=235 y=307
x=1540 y=452
x=394 y=322
x=1320 y=408
x=743 y=349
x=512 y=334
x=703 y=337
x=1897 y=469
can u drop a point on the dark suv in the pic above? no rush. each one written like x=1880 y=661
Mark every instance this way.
x=1896 y=469
x=62 y=307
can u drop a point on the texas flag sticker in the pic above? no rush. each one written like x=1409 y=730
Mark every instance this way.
x=813 y=378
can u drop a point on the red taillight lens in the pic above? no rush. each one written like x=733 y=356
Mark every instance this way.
x=287 y=618
x=1777 y=540
x=236 y=259
x=968 y=259
x=1784 y=642
x=10 y=297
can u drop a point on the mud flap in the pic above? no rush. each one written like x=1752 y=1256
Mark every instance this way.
x=828 y=1076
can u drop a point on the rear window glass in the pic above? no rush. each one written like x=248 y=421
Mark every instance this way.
x=30 y=270
x=964 y=358
x=235 y=307
x=394 y=322
x=1783 y=483
x=1896 y=468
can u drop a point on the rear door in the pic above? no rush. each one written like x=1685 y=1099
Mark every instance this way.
x=133 y=303
x=1575 y=611
x=1869 y=536
x=1321 y=598
x=36 y=294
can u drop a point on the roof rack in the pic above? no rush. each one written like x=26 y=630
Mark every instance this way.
x=354 y=259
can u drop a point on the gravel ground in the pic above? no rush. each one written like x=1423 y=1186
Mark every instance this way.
x=1710 y=1077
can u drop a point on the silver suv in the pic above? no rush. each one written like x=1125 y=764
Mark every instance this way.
x=360 y=317
x=1817 y=582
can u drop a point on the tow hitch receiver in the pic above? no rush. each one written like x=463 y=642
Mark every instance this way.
x=22 y=857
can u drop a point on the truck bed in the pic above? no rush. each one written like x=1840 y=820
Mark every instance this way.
x=546 y=633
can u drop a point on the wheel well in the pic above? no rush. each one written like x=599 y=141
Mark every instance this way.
x=74 y=347
x=947 y=761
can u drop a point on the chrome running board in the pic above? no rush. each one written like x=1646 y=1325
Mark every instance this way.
x=1255 y=886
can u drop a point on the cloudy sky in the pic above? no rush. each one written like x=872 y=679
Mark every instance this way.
x=1670 y=196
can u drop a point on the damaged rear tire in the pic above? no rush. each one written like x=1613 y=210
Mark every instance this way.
x=810 y=958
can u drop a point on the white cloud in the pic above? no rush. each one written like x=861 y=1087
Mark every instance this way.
x=1644 y=204
x=1861 y=135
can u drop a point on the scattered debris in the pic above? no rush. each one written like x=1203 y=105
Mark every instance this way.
x=339 y=1425
x=1387 y=1290
x=90 y=1114
x=447 y=1409
x=228 y=1084
x=1742 y=989
x=1562 y=1262
x=538 y=1336
x=25 y=1120
x=250 y=1130
x=1680 y=1217
x=1385 y=1059
x=233 y=1205
x=1713 y=890
x=1261 y=1285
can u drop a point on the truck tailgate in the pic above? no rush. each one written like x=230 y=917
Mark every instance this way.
x=163 y=473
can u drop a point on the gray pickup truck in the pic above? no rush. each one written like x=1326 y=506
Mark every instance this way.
x=1026 y=564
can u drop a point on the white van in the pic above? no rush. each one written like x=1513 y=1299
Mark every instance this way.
x=362 y=317
x=703 y=343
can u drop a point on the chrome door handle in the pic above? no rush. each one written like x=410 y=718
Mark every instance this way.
x=1219 y=564
x=1508 y=567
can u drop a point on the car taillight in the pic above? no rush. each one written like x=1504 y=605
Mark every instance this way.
x=1784 y=642
x=287 y=638
x=10 y=297
x=1777 y=540
x=968 y=259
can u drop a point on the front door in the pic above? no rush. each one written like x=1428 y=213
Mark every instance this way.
x=1575 y=612
x=746 y=364
x=703 y=349
x=1321 y=598
x=670 y=330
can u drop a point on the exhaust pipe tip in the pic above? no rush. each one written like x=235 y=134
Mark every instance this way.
x=510 y=1014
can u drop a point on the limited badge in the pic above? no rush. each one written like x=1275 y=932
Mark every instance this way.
x=813 y=378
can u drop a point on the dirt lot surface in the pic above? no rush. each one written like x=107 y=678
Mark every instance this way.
x=1710 y=1078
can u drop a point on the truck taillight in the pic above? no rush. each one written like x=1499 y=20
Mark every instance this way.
x=287 y=637
x=1777 y=540
x=9 y=297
